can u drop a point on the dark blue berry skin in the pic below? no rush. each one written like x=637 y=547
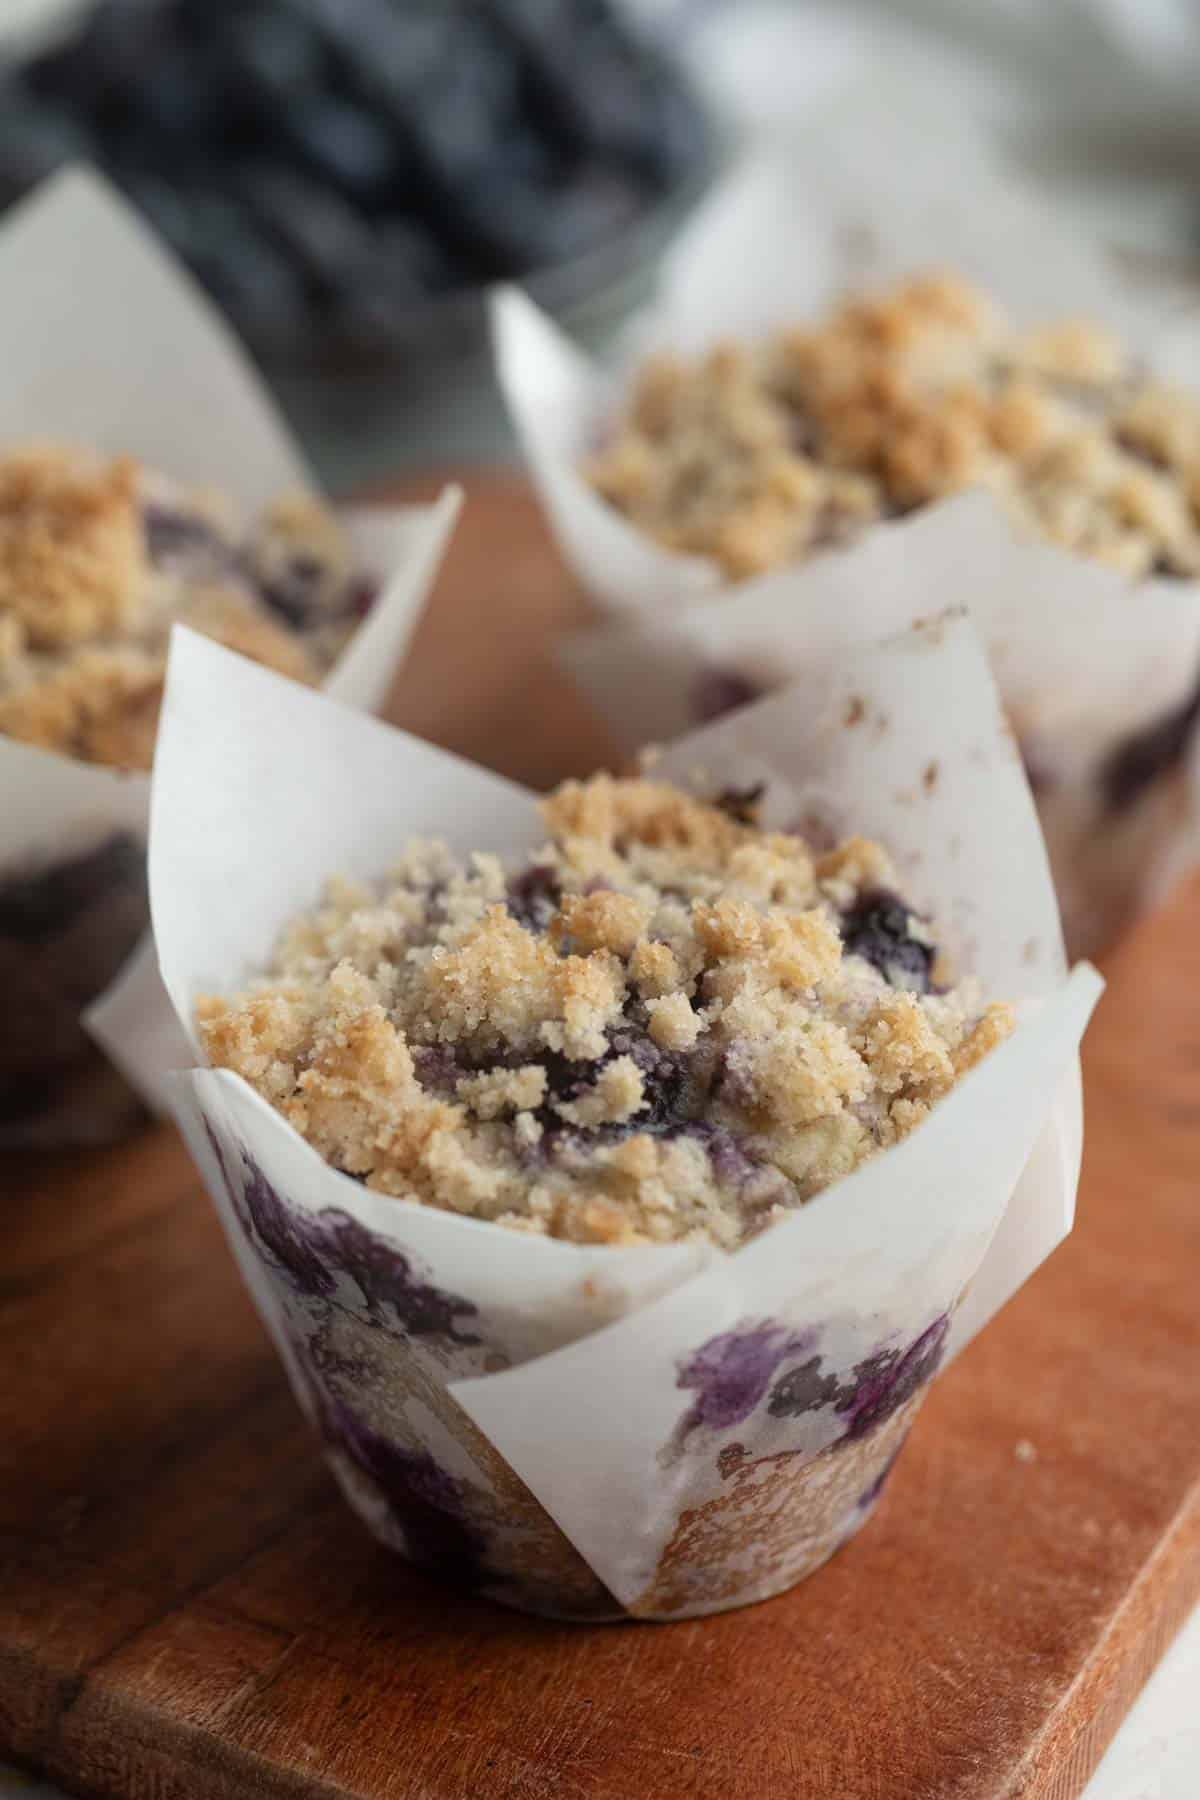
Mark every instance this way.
x=400 y=269
x=297 y=594
x=184 y=100
x=34 y=141
x=508 y=138
x=315 y=227
x=878 y=929
x=664 y=1079
x=274 y=56
x=171 y=534
x=676 y=1089
x=534 y=896
x=343 y=145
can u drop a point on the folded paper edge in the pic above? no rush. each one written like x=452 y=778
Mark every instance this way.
x=82 y=184
x=406 y=590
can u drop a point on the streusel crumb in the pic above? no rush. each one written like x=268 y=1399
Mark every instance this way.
x=666 y=1024
x=72 y=559
x=99 y=558
x=757 y=455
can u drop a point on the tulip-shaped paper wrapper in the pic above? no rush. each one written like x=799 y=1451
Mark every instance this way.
x=656 y=1431
x=110 y=347
x=1111 y=749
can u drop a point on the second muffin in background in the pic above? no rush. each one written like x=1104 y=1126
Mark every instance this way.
x=761 y=453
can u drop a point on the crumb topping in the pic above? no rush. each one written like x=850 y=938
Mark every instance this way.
x=757 y=455
x=72 y=559
x=99 y=558
x=667 y=1024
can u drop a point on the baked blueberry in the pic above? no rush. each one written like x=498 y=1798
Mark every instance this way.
x=510 y=136
x=884 y=931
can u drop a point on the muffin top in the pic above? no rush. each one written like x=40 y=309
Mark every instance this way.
x=757 y=455
x=98 y=559
x=667 y=1024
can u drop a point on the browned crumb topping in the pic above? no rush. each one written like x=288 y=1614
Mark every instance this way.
x=756 y=455
x=72 y=558
x=98 y=560
x=668 y=1024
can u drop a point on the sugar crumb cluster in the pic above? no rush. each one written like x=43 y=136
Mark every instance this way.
x=668 y=1023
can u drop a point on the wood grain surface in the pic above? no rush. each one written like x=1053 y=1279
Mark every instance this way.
x=187 y=1612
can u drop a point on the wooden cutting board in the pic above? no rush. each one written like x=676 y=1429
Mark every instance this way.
x=186 y=1609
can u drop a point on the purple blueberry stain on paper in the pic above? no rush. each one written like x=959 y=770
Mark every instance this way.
x=731 y=1372
x=387 y=1279
x=313 y=1252
x=883 y=1382
x=286 y=1236
x=425 y=1501
x=803 y=1389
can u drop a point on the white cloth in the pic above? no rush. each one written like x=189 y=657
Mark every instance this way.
x=1095 y=98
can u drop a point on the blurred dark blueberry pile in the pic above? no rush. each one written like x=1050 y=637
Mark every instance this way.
x=331 y=169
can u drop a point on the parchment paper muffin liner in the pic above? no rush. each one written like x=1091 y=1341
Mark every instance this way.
x=659 y=1431
x=1101 y=676
x=109 y=345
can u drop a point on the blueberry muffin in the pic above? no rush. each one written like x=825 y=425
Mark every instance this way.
x=98 y=559
x=757 y=455
x=668 y=1024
